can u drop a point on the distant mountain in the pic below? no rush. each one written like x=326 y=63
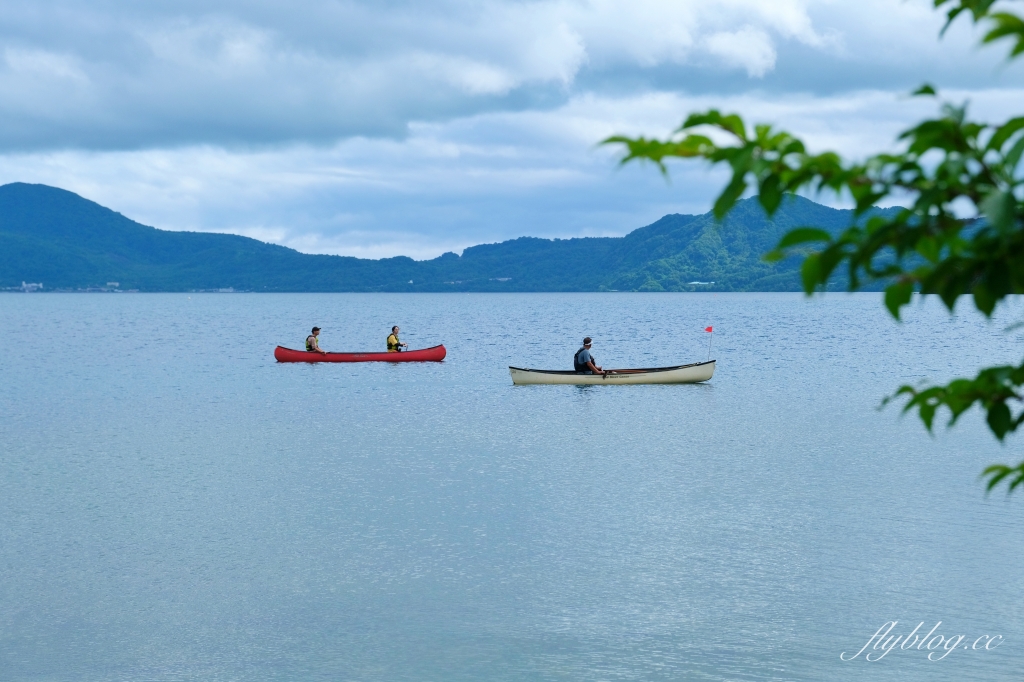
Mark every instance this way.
x=53 y=236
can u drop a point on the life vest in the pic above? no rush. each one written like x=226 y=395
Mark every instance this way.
x=394 y=344
x=576 y=362
x=311 y=346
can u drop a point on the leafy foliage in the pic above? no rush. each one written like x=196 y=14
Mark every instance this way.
x=941 y=165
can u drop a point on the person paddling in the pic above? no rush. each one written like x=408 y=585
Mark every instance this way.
x=312 y=345
x=394 y=345
x=583 y=361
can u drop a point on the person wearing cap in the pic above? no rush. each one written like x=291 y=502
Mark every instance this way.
x=312 y=345
x=583 y=361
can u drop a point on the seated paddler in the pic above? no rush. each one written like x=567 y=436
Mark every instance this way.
x=394 y=345
x=312 y=345
x=583 y=362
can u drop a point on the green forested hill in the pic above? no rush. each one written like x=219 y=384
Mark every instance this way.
x=58 y=238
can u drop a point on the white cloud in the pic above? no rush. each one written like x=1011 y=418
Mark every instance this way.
x=366 y=128
x=748 y=47
x=653 y=32
x=230 y=73
x=43 y=64
x=473 y=77
x=474 y=179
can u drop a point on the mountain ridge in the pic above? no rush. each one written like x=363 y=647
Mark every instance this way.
x=65 y=241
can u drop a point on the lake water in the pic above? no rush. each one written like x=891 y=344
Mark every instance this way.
x=175 y=505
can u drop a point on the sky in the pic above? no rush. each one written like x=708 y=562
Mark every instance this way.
x=386 y=128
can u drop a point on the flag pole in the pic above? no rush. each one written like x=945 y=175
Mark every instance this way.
x=711 y=331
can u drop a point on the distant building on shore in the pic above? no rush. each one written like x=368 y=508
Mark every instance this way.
x=29 y=286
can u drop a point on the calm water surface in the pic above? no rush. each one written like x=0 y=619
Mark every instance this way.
x=174 y=505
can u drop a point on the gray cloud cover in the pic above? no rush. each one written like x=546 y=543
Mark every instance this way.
x=400 y=127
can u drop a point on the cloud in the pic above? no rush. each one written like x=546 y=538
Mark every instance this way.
x=42 y=64
x=748 y=47
x=469 y=180
x=401 y=127
x=129 y=75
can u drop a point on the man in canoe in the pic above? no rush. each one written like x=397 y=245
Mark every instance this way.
x=394 y=345
x=583 y=361
x=312 y=345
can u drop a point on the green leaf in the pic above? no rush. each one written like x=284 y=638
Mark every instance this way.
x=693 y=145
x=929 y=248
x=999 y=207
x=924 y=90
x=733 y=191
x=927 y=413
x=810 y=272
x=1013 y=156
x=983 y=299
x=898 y=295
x=1005 y=132
x=953 y=13
x=997 y=472
x=730 y=123
x=999 y=419
x=827 y=262
x=1017 y=480
x=978 y=9
x=770 y=194
x=802 y=235
x=1007 y=26
x=1001 y=472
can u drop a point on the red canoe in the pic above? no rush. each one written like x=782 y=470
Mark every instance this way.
x=435 y=354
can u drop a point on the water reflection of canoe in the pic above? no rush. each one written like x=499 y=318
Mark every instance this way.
x=681 y=374
x=435 y=354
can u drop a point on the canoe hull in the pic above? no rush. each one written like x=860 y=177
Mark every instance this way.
x=681 y=374
x=435 y=354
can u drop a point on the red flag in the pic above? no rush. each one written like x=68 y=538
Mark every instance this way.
x=708 y=329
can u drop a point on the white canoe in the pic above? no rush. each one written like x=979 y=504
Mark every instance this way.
x=682 y=374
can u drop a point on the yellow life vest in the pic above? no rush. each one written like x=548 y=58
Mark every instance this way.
x=393 y=344
x=311 y=345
